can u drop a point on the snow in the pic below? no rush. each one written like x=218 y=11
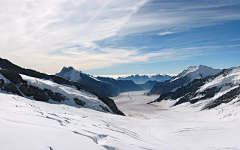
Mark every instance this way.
x=27 y=124
x=197 y=72
x=71 y=74
x=94 y=78
x=70 y=92
x=135 y=104
x=233 y=77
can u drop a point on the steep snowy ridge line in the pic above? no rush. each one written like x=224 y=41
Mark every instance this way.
x=48 y=91
x=182 y=79
x=12 y=71
x=210 y=91
x=233 y=77
x=197 y=72
x=91 y=101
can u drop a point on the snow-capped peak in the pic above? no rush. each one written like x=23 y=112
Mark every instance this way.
x=197 y=72
x=70 y=73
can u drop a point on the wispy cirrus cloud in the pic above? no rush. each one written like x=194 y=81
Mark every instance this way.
x=178 y=16
x=47 y=35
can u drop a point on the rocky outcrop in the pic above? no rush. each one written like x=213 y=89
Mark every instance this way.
x=1 y=83
x=226 y=98
x=16 y=70
x=37 y=93
x=12 y=76
x=192 y=93
x=183 y=78
x=10 y=87
x=168 y=86
x=104 y=108
x=56 y=96
x=79 y=102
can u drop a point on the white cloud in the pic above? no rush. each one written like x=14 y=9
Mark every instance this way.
x=32 y=30
x=165 y=33
x=46 y=35
x=178 y=16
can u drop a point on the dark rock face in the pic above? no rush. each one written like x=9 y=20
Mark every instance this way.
x=148 y=85
x=97 y=86
x=120 y=85
x=226 y=98
x=79 y=102
x=5 y=64
x=1 y=83
x=168 y=86
x=183 y=78
x=104 y=108
x=189 y=92
x=37 y=93
x=12 y=76
x=56 y=96
x=10 y=87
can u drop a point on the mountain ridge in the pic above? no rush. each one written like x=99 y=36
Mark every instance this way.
x=183 y=78
x=106 y=86
x=13 y=72
x=141 y=79
x=214 y=90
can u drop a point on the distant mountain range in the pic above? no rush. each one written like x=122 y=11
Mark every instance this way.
x=106 y=86
x=182 y=79
x=141 y=79
x=148 y=85
x=210 y=91
x=52 y=89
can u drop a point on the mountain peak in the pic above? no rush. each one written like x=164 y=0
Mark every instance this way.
x=196 y=72
x=70 y=74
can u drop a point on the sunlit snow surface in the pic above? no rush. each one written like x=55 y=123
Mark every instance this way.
x=197 y=72
x=69 y=91
x=27 y=124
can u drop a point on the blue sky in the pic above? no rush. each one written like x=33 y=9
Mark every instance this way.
x=106 y=37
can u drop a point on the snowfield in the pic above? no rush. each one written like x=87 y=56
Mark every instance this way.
x=32 y=125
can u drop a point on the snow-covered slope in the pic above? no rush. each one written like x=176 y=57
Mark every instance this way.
x=141 y=79
x=196 y=72
x=87 y=99
x=70 y=73
x=11 y=81
x=212 y=91
x=192 y=73
x=32 y=125
x=49 y=91
x=225 y=80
